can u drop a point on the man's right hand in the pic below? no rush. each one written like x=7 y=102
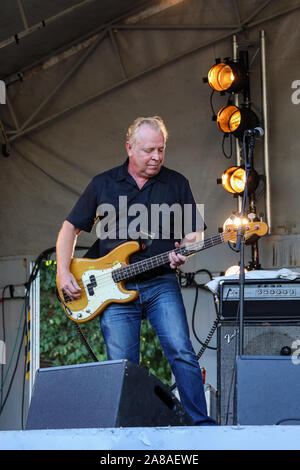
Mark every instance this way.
x=64 y=251
x=69 y=285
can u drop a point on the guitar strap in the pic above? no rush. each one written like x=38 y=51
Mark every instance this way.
x=93 y=251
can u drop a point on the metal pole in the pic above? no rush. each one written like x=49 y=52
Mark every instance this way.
x=35 y=331
x=22 y=13
x=13 y=114
x=117 y=52
x=235 y=48
x=266 y=128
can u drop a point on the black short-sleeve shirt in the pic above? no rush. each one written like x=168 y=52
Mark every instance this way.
x=161 y=212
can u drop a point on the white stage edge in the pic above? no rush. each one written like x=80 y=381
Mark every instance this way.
x=156 y=438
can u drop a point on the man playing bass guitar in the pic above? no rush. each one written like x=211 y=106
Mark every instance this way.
x=116 y=197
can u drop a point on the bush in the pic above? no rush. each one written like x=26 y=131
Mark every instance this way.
x=61 y=345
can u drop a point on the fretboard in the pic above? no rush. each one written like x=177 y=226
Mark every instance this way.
x=131 y=270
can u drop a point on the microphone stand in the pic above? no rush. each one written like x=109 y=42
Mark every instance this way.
x=240 y=247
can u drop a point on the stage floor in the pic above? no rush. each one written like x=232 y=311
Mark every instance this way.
x=152 y=438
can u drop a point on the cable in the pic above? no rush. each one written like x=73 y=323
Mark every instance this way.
x=211 y=103
x=86 y=344
x=24 y=329
x=228 y=156
x=4 y=339
x=287 y=419
x=24 y=374
x=205 y=344
x=233 y=377
x=16 y=363
x=14 y=372
x=209 y=337
x=32 y=277
x=79 y=331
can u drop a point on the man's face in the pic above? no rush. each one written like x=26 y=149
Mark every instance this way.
x=146 y=154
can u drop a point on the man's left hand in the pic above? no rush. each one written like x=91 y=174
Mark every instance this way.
x=176 y=259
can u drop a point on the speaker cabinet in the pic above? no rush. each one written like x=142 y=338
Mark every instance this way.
x=268 y=390
x=260 y=339
x=100 y=395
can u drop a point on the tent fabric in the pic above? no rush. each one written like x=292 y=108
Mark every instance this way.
x=46 y=27
x=50 y=166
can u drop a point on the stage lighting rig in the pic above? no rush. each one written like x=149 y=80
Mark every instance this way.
x=233 y=180
x=236 y=120
x=232 y=77
x=227 y=77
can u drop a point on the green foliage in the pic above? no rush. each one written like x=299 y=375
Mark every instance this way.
x=60 y=343
x=152 y=356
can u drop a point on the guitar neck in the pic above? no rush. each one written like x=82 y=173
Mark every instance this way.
x=139 y=267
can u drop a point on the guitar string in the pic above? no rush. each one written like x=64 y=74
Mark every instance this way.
x=131 y=268
x=138 y=264
x=132 y=271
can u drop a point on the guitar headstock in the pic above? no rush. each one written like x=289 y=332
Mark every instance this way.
x=248 y=229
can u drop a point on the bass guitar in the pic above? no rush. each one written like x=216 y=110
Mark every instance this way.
x=102 y=280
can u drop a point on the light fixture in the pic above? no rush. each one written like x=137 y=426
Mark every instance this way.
x=234 y=120
x=234 y=178
x=233 y=270
x=235 y=220
x=227 y=77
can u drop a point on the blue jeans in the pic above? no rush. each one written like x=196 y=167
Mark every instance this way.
x=160 y=301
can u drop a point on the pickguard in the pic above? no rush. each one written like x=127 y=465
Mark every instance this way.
x=99 y=288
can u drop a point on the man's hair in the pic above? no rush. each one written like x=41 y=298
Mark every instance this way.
x=155 y=122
